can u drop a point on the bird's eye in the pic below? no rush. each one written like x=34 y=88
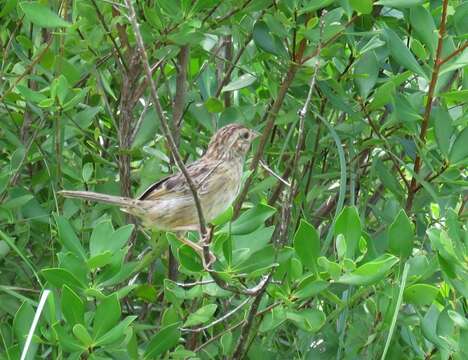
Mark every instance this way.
x=244 y=135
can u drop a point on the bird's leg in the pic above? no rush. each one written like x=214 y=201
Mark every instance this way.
x=206 y=241
x=199 y=249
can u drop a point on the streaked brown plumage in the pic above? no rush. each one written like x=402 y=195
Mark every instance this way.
x=168 y=204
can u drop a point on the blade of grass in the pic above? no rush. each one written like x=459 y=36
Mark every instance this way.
x=397 y=310
x=11 y=244
x=37 y=316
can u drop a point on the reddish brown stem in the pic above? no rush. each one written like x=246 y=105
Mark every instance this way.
x=427 y=111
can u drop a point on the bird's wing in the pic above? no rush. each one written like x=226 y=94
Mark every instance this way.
x=175 y=186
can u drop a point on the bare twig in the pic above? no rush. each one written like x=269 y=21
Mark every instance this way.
x=220 y=320
x=109 y=34
x=28 y=69
x=271 y=172
x=232 y=65
x=162 y=117
x=455 y=53
x=14 y=178
x=242 y=341
x=269 y=123
x=195 y=283
x=428 y=108
x=384 y=139
x=287 y=207
x=181 y=91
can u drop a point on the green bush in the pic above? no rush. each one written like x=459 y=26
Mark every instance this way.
x=348 y=239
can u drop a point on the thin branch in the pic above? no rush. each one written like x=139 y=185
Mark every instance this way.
x=181 y=91
x=270 y=116
x=232 y=65
x=329 y=41
x=271 y=172
x=28 y=69
x=109 y=34
x=242 y=342
x=427 y=110
x=455 y=53
x=220 y=320
x=14 y=178
x=287 y=207
x=164 y=122
x=381 y=137
x=195 y=283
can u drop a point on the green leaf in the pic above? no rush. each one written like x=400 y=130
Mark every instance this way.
x=458 y=319
x=383 y=95
x=307 y=244
x=46 y=103
x=105 y=239
x=349 y=224
x=68 y=238
x=100 y=237
x=120 y=237
x=366 y=72
x=266 y=41
x=443 y=128
x=17 y=202
x=455 y=96
x=116 y=332
x=313 y=5
x=370 y=272
x=59 y=277
x=309 y=289
x=87 y=172
x=401 y=235
x=362 y=6
x=460 y=61
x=66 y=341
x=22 y=322
x=253 y=241
x=424 y=27
x=331 y=267
x=107 y=315
x=80 y=94
x=402 y=54
x=8 y=6
x=310 y=320
x=190 y=259
x=60 y=89
x=388 y=179
x=214 y=105
x=400 y=3
x=420 y=294
x=250 y=220
x=459 y=150
x=201 y=316
x=99 y=260
x=72 y=306
x=42 y=16
x=164 y=340
x=418 y=49
x=31 y=95
x=429 y=327
x=273 y=319
x=240 y=83
x=83 y=335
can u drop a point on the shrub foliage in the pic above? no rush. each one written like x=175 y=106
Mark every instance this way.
x=348 y=239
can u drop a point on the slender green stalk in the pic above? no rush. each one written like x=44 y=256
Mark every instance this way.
x=397 y=309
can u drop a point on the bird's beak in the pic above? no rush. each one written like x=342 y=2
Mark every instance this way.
x=255 y=134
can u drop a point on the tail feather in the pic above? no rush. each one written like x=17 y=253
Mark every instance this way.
x=124 y=202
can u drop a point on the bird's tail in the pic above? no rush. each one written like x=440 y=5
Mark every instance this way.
x=123 y=202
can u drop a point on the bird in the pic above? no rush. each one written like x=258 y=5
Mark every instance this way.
x=168 y=204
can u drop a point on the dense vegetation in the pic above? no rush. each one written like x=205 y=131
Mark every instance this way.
x=348 y=239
